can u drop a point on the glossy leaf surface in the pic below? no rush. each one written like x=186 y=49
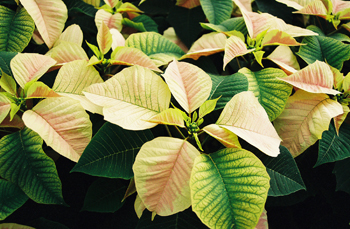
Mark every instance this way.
x=229 y=188
x=217 y=11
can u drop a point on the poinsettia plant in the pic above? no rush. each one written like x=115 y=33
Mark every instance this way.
x=183 y=113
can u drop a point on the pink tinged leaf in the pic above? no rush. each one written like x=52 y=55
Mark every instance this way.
x=284 y=57
x=117 y=39
x=244 y=116
x=339 y=6
x=338 y=120
x=315 y=78
x=207 y=45
x=304 y=119
x=139 y=206
x=234 y=47
x=113 y=21
x=262 y=223
x=276 y=37
x=67 y=52
x=5 y=106
x=247 y=4
x=49 y=16
x=132 y=56
x=345 y=14
x=169 y=116
x=189 y=84
x=37 y=37
x=111 y=3
x=316 y=8
x=128 y=8
x=162 y=171
x=30 y=66
x=63 y=124
x=130 y=97
x=189 y=4
x=296 y=4
x=16 y=122
x=72 y=34
x=73 y=78
x=40 y=90
x=104 y=38
x=226 y=137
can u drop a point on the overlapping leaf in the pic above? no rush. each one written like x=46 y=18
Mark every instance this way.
x=35 y=173
x=11 y=198
x=217 y=11
x=284 y=57
x=229 y=188
x=206 y=45
x=113 y=21
x=326 y=49
x=244 y=116
x=16 y=29
x=227 y=26
x=162 y=172
x=235 y=47
x=63 y=124
x=73 y=78
x=104 y=38
x=30 y=66
x=66 y=52
x=169 y=116
x=40 y=90
x=188 y=3
x=131 y=97
x=49 y=16
x=226 y=137
x=5 y=106
x=189 y=84
x=73 y=34
x=311 y=116
x=114 y=148
x=271 y=92
x=158 y=48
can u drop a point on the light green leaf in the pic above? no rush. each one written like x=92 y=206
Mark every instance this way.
x=16 y=29
x=235 y=23
x=217 y=11
x=207 y=107
x=23 y=162
x=271 y=92
x=154 y=45
x=325 y=49
x=229 y=188
x=104 y=195
x=142 y=23
x=333 y=147
x=226 y=137
x=169 y=116
x=95 y=50
x=8 y=83
x=227 y=87
x=11 y=198
x=114 y=148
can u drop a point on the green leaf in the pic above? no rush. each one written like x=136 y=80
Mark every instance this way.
x=284 y=173
x=5 y=59
x=80 y=6
x=154 y=45
x=327 y=49
x=217 y=11
x=16 y=29
x=236 y=23
x=186 y=23
x=227 y=87
x=272 y=93
x=142 y=23
x=45 y=223
x=229 y=188
x=104 y=195
x=207 y=107
x=11 y=198
x=95 y=50
x=8 y=83
x=333 y=147
x=342 y=171
x=23 y=162
x=114 y=148
x=184 y=219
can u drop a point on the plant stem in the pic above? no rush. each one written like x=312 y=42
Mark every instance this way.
x=167 y=130
x=180 y=132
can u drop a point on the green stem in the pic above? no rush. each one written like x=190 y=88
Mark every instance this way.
x=180 y=132
x=167 y=130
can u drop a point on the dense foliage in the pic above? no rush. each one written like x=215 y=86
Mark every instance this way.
x=176 y=114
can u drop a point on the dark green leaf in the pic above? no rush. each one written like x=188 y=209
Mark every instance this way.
x=16 y=29
x=182 y=220
x=104 y=195
x=42 y=223
x=112 y=151
x=227 y=87
x=23 y=162
x=277 y=9
x=217 y=11
x=284 y=173
x=80 y=6
x=327 y=49
x=236 y=23
x=333 y=147
x=5 y=59
x=186 y=23
x=11 y=198
x=147 y=22
x=342 y=171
